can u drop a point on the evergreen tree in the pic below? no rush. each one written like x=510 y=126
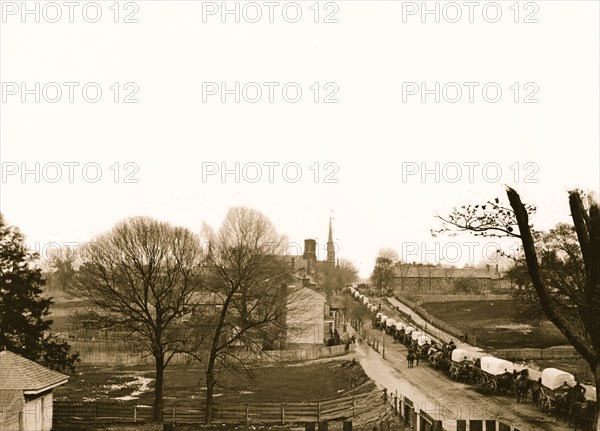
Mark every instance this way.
x=24 y=327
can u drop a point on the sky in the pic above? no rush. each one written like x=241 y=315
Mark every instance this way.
x=378 y=114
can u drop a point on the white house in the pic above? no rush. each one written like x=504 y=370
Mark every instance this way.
x=310 y=323
x=26 y=393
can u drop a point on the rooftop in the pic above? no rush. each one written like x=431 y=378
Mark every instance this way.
x=17 y=372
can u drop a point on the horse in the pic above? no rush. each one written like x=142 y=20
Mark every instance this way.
x=536 y=392
x=522 y=385
x=583 y=415
x=410 y=359
x=522 y=389
x=561 y=406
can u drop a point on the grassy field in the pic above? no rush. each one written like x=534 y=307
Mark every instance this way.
x=186 y=386
x=496 y=324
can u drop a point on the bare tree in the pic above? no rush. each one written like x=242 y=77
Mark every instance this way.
x=360 y=314
x=570 y=302
x=60 y=269
x=250 y=277
x=141 y=276
x=383 y=272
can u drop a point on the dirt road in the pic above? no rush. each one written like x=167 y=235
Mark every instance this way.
x=441 y=397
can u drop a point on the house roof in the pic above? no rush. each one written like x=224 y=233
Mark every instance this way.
x=17 y=372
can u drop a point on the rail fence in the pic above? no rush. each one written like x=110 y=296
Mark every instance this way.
x=248 y=413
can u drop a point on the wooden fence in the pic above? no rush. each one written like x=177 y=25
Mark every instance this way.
x=419 y=420
x=454 y=298
x=563 y=352
x=114 y=353
x=249 y=413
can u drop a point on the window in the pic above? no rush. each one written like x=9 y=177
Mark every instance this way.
x=484 y=280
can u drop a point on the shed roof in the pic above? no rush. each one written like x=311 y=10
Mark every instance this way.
x=17 y=372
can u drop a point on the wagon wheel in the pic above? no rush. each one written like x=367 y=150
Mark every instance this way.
x=492 y=386
x=546 y=403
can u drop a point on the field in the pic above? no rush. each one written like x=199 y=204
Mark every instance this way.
x=120 y=388
x=186 y=386
x=496 y=324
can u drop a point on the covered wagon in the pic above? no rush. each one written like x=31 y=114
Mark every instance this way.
x=555 y=383
x=408 y=330
x=415 y=335
x=399 y=334
x=390 y=326
x=461 y=365
x=495 y=374
x=382 y=322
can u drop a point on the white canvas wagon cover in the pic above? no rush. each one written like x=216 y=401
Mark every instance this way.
x=400 y=326
x=409 y=329
x=390 y=322
x=372 y=307
x=496 y=366
x=423 y=339
x=379 y=315
x=416 y=334
x=554 y=378
x=365 y=301
x=459 y=355
x=383 y=318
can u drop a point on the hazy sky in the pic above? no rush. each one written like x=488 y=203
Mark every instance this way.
x=333 y=118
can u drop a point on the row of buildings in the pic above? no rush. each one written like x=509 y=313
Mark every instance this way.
x=427 y=278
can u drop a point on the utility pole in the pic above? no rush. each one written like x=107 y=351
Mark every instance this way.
x=383 y=350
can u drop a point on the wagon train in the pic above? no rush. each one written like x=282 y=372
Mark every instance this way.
x=555 y=391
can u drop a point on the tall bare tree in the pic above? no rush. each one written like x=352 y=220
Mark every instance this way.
x=571 y=302
x=141 y=276
x=249 y=275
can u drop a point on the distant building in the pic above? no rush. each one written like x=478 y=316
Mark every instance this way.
x=26 y=393
x=418 y=277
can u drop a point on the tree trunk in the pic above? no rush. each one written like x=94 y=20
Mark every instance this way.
x=158 y=390
x=210 y=385
x=595 y=417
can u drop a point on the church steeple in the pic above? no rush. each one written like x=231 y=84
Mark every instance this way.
x=330 y=246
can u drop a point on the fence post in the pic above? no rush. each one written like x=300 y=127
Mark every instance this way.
x=173 y=414
x=282 y=414
x=96 y=412
x=247 y=414
x=134 y=414
x=353 y=406
x=319 y=413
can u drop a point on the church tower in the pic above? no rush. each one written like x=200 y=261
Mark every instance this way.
x=330 y=247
